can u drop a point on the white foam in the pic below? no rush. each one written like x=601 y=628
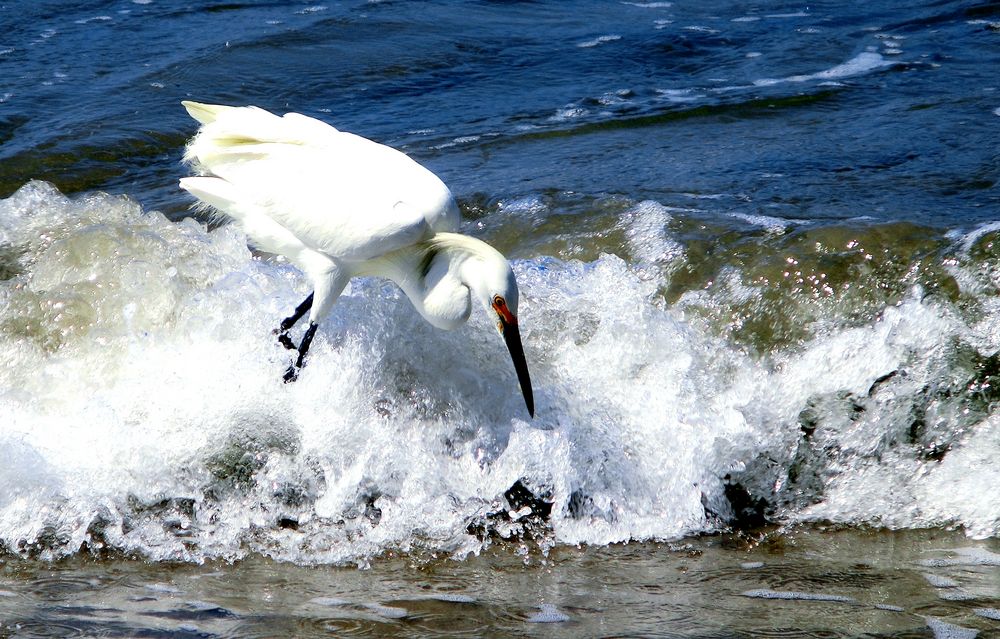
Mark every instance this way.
x=863 y=63
x=101 y=18
x=598 y=40
x=701 y=29
x=966 y=557
x=548 y=613
x=526 y=206
x=389 y=612
x=166 y=589
x=142 y=407
x=614 y=98
x=452 y=597
x=329 y=601
x=568 y=113
x=679 y=95
x=988 y=613
x=939 y=581
x=789 y=595
x=945 y=630
x=774 y=225
x=465 y=139
x=970 y=238
x=956 y=594
x=648 y=238
x=858 y=65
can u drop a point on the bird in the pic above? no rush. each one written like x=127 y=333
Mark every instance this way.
x=338 y=205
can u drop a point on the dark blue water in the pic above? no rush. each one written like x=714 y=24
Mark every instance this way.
x=641 y=99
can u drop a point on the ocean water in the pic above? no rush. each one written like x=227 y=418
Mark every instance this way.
x=758 y=248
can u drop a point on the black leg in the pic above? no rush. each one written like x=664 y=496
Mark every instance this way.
x=300 y=310
x=293 y=371
x=289 y=322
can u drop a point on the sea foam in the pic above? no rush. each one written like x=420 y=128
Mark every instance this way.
x=142 y=407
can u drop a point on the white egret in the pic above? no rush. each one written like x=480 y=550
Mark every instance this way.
x=338 y=205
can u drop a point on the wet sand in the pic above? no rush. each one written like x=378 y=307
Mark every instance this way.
x=799 y=583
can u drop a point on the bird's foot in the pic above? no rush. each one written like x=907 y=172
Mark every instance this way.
x=292 y=373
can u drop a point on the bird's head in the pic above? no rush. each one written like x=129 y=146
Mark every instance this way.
x=494 y=284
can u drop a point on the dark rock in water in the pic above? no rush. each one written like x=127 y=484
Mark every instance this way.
x=881 y=380
x=249 y=445
x=748 y=511
x=526 y=515
x=288 y=523
x=175 y=514
x=579 y=504
x=364 y=506
x=372 y=512
x=518 y=496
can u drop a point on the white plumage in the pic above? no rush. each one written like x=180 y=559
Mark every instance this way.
x=338 y=205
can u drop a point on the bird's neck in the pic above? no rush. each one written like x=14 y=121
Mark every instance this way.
x=412 y=264
x=435 y=274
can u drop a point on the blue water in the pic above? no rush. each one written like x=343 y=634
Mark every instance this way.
x=758 y=249
x=642 y=99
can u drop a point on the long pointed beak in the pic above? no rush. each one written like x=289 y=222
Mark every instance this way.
x=512 y=336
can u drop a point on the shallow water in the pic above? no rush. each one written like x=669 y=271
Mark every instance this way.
x=800 y=583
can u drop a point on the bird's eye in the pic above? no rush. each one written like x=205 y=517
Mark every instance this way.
x=502 y=310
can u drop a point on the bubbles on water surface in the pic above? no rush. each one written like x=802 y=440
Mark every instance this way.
x=799 y=596
x=944 y=630
x=548 y=613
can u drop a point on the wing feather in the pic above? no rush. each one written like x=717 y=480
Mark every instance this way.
x=337 y=192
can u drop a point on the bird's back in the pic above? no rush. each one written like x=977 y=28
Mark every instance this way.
x=337 y=192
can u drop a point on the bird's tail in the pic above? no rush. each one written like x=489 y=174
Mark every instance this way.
x=205 y=113
x=235 y=133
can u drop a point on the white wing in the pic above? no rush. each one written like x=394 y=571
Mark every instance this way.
x=336 y=192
